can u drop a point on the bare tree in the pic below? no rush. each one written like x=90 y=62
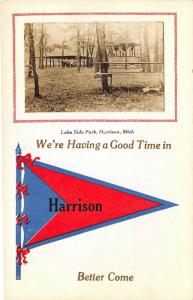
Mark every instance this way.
x=41 y=48
x=63 y=47
x=102 y=55
x=90 y=45
x=78 y=48
x=91 y=51
x=126 y=46
x=30 y=73
x=45 y=46
x=145 y=51
x=29 y=30
x=110 y=37
x=158 y=47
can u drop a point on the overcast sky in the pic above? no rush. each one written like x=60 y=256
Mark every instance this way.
x=57 y=32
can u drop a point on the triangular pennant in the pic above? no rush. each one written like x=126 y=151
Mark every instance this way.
x=66 y=203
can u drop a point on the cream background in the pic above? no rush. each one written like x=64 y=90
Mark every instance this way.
x=156 y=248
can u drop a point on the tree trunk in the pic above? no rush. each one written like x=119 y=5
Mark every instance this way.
x=62 y=58
x=126 y=56
x=91 y=50
x=161 y=48
x=41 y=62
x=87 y=57
x=33 y=60
x=158 y=48
x=91 y=60
x=156 y=51
x=97 y=66
x=83 y=48
x=30 y=71
x=30 y=75
x=146 y=48
x=102 y=53
x=45 y=48
x=141 y=48
x=78 y=49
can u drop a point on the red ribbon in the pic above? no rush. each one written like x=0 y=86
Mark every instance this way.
x=24 y=159
x=21 y=189
x=22 y=218
x=21 y=255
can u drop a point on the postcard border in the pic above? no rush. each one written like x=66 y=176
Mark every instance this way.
x=174 y=14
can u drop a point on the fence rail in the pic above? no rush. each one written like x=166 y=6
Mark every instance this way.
x=130 y=63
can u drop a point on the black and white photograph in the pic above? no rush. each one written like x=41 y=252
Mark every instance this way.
x=94 y=67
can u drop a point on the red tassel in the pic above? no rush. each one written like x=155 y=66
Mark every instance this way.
x=21 y=189
x=21 y=255
x=22 y=218
x=24 y=159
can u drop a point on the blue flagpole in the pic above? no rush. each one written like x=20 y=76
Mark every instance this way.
x=18 y=213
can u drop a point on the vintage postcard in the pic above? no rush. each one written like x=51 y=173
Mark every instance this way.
x=97 y=149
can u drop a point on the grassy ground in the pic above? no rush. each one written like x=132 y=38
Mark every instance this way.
x=66 y=90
